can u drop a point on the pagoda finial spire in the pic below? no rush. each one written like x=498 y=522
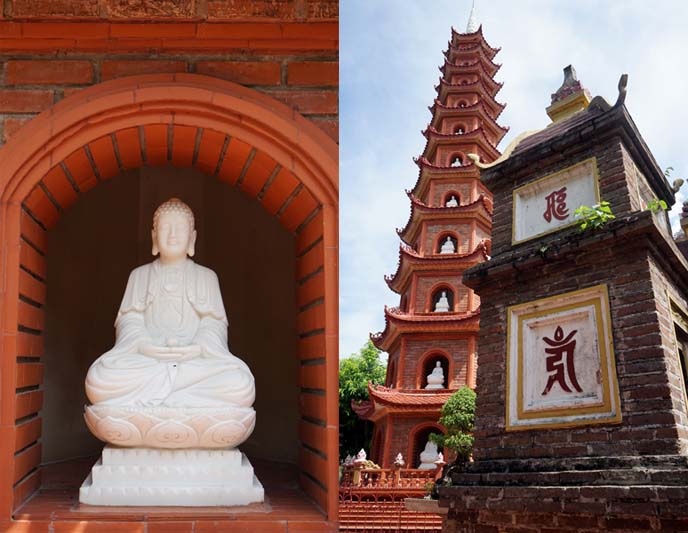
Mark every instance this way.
x=473 y=24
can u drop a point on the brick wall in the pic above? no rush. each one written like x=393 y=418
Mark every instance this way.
x=425 y=286
x=51 y=49
x=615 y=184
x=402 y=438
x=440 y=189
x=433 y=230
x=665 y=288
x=416 y=350
x=647 y=407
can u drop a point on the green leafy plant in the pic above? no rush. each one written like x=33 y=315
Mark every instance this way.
x=655 y=205
x=458 y=416
x=354 y=374
x=594 y=217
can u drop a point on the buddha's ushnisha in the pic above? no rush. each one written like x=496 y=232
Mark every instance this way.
x=171 y=331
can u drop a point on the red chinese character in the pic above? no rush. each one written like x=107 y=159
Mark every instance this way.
x=556 y=205
x=561 y=346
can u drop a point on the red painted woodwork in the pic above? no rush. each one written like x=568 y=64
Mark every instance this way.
x=464 y=121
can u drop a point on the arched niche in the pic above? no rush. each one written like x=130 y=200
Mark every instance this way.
x=279 y=161
x=419 y=438
x=442 y=239
x=457 y=159
x=436 y=295
x=448 y=196
x=426 y=365
x=106 y=234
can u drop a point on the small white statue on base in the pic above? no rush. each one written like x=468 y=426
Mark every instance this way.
x=442 y=305
x=436 y=377
x=170 y=391
x=399 y=461
x=452 y=202
x=448 y=247
x=428 y=456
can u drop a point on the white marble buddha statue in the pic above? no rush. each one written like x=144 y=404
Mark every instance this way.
x=436 y=377
x=448 y=247
x=428 y=456
x=170 y=360
x=452 y=202
x=442 y=305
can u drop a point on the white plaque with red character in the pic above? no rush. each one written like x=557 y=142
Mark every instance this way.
x=560 y=362
x=548 y=204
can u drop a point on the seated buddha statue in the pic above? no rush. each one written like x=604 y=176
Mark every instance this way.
x=428 y=456
x=170 y=379
x=436 y=378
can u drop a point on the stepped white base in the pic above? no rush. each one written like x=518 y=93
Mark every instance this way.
x=196 y=478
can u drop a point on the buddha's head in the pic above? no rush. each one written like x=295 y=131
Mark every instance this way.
x=173 y=234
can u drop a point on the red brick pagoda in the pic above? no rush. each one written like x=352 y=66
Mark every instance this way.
x=431 y=337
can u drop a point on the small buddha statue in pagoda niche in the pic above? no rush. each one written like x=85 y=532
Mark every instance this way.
x=436 y=378
x=442 y=305
x=170 y=354
x=428 y=456
x=448 y=246
x=452 y=202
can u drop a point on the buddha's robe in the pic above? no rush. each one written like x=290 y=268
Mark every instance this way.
x=161 y=302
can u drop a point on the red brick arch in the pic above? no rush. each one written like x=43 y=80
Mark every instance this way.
x=240 y=136
x=422 y=361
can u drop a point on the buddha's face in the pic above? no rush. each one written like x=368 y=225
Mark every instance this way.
x=173 y=236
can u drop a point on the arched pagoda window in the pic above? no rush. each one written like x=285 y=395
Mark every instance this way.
x=456 y=161
x=460 y=129
x=462 y=104
x=420 y=439
x=429 y=364
x=447 y=243
x=442 y=300
x=451 y=199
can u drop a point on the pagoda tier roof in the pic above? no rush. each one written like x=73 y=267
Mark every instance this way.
x=459 y=39
x=477 y=136
x=398 y=322
x=490 y=86
x=438 y=109
x=410 y=261
x=385 y=400
x=427 y=171
x=468 y=50
x=469 y=90
x=480 y=209
x=489 y=127
x=482 y=65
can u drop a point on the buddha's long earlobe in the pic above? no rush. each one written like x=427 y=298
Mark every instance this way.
x=192 y=244
x=155 y=250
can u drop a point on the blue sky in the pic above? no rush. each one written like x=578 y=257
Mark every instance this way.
x=389 y=58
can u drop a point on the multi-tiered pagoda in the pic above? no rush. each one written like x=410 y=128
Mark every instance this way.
x=431 y=337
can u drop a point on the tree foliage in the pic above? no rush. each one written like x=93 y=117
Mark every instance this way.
x=354 y=374
x=458 y=416
x=594 y=217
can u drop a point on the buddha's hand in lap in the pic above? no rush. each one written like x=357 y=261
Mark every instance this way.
x=171 y=353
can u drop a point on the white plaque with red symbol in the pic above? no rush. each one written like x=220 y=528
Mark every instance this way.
x=548 y=204
x=560 y=362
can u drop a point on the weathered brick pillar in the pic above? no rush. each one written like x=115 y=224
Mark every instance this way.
x=581 y=408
